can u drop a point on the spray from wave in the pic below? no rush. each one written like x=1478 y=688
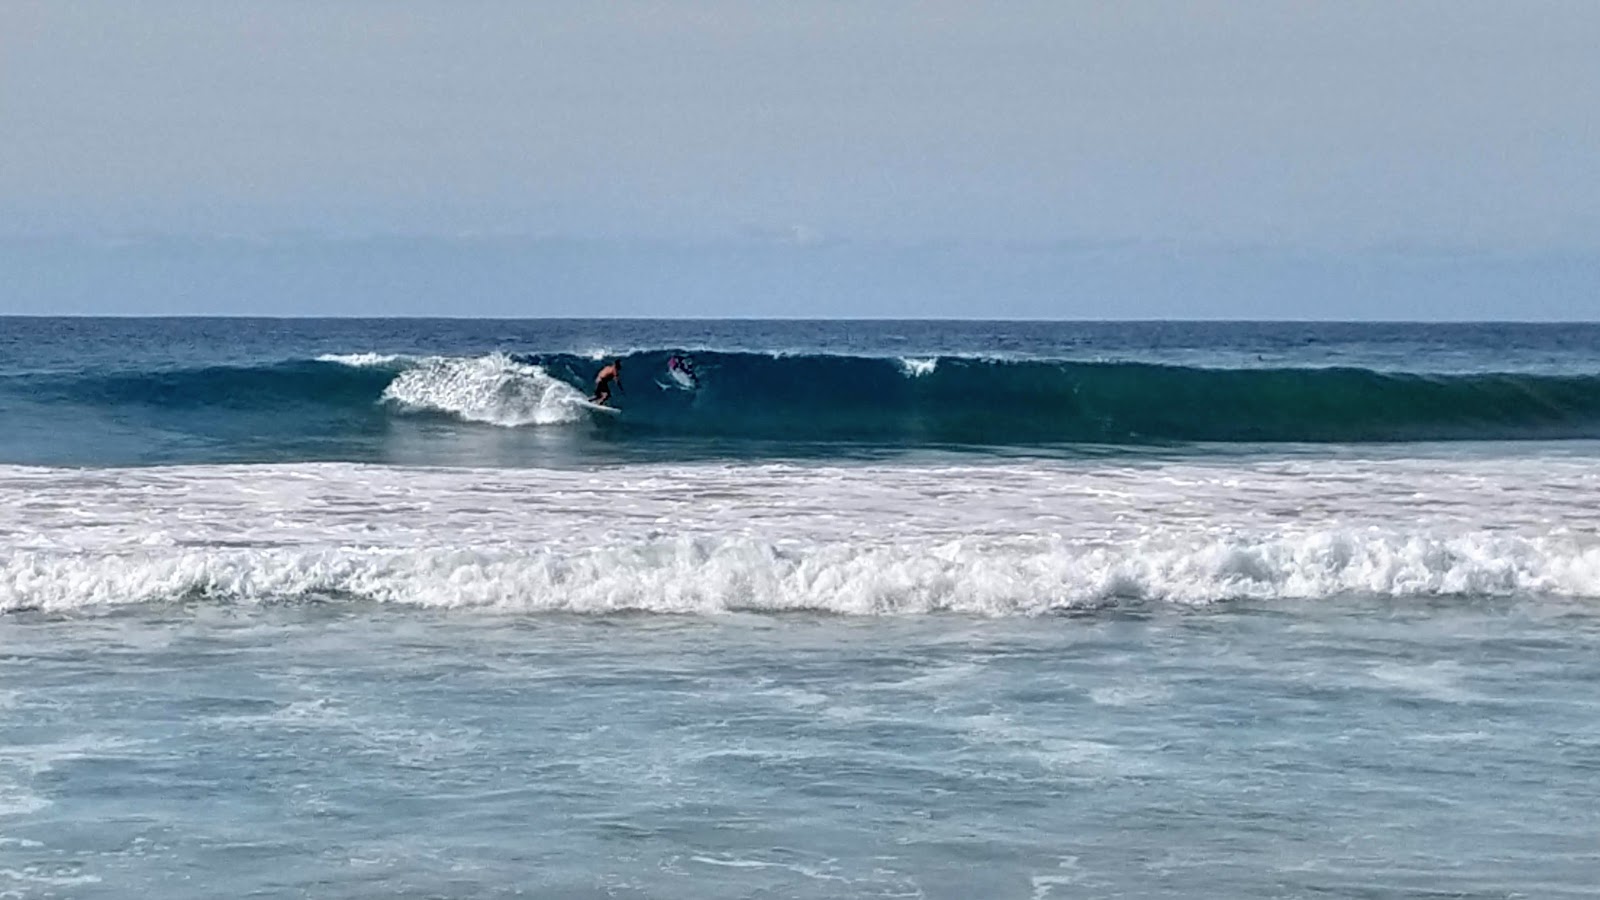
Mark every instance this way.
x=494 y=389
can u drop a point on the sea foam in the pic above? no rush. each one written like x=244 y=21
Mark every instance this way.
x=365 y=360
x=714 y=575
x=494 y=389
x=996 y=539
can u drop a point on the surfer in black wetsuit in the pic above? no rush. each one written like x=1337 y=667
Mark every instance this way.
x=609 y=377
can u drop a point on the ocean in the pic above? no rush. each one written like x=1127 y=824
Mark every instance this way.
x=354 y=608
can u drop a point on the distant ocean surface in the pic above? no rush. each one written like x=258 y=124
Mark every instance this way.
x=352 y=608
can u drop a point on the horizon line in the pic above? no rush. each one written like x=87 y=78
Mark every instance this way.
x=961 y=319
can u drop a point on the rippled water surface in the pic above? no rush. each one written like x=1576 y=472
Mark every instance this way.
x=1357 y=747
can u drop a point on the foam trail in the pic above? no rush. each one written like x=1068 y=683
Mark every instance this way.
x=494 y=389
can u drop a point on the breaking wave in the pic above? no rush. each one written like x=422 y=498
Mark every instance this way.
x=494 y=389
x=708 y=575
x=932 y=400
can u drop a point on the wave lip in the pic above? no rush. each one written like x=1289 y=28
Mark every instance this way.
x=493 y=389
x=711 y=575
x=366 y=360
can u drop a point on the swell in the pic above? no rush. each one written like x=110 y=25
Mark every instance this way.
x=941 y=400
x=296 y=383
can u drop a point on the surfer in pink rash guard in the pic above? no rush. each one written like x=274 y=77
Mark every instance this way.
x=681 y=370
x=610 y=376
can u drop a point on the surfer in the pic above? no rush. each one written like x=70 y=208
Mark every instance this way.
x=682 y=371
x=609 y=377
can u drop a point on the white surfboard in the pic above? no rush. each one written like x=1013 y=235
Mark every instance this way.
x=597 y=407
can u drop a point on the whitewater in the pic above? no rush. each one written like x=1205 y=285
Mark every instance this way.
x=992 y=539
x=346 y=608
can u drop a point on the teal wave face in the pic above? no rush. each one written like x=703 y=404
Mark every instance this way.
x=999 y=402
x=298 y=383
x=818 y=398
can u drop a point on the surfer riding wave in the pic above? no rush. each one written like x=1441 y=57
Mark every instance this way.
x=609 y=377
x=681 y=370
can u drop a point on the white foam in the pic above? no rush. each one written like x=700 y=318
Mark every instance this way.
x=1436 y=681
x=364 y=360
x=1137 y=694
x=707 y=575
x=49 y=875
x=494 y=389
x=1015 y=538
x=916 y=368
x=21 y=763
x=15 y=801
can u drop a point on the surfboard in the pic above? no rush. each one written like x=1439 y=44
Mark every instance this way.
x=597 y=407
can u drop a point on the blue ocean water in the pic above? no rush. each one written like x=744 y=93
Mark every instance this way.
x=346 y=608
x=121 y=392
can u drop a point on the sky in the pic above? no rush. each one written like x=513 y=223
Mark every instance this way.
x=1054 y=159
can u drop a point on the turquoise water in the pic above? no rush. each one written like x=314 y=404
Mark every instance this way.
x=352 y=609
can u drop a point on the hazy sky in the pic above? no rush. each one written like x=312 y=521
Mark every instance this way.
x=1344 y=131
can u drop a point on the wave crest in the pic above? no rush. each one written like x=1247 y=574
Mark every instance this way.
x=365 y=360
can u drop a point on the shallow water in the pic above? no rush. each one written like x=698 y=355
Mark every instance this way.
x=1357 y=747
